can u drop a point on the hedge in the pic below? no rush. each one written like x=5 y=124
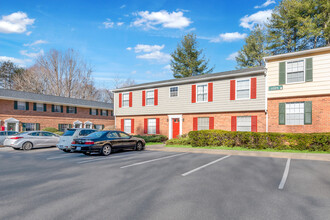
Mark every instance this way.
x=183 y=140
x=253 y=140
x=152 y=138
x=50 y=129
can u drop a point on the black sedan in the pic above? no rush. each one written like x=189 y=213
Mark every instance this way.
x=105 y=142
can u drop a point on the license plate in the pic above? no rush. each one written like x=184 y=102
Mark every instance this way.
x=78 y=148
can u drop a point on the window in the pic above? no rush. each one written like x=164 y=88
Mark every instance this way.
x=244 y=123
x=35 y=134
x=203 y=124
x=71 y=109
x=243 y=89
x=104 y=112
x=93 y=111
x=174 y=91
x=127 y=125
x=294 y=113
x=123 y=135
x=295 y=71
x=57 y=108
x=112 y=134
x=150 y=97
x=39 y=107
x=151 y=126
x=202 y=93
x=48 y=134
x=88 y=125
x=125 y=99
x=63 y=127
x=98 y=127
x=86 y=132
x=21 y=105
x=30 y=127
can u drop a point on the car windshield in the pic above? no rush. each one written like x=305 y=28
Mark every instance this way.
x=97 y=134
x=21 y=133
x=69 y=132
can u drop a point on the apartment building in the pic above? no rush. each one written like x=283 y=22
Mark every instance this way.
x=24 y=111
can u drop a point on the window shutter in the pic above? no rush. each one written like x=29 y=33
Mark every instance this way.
x=156 y=97
x=45 y=107
x=282 y=73
x=107 y=112
x=67 y=109
x=34 y=106
x=281 y=114
x=146 y=126
x=90 y=111
x=309 y=70
x=53 y=108
x=38 y=126
x=75 y=110
x=157 y=126
x=253 y=88
x=132 y=126
x=120 y=99
x=70 y=125
x=130 y=99
x=61 y=108
x=15 y=104
x=193 y=93
x=195 y=124
x=97 y=112
x=233 y=123
x=232 y=90
x=23 y=127
x=210 y=92
x=59 y=127
x=26 y=106
x=254 y=121
x=211 y=123
x=143 y=98
x=122 y=127
x=102 y=127
x=308 y=113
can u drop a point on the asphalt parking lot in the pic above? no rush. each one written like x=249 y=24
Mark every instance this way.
x=50 y=184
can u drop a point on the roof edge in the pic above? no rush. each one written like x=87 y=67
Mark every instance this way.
x=303 y=52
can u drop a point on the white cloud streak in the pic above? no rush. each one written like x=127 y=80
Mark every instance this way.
x=108 y=24
x=228 y=37
x=151 y=52
x=37 y=42
x=232 y=56
x=15 y=23
x=261 y=17
x=266 y=4
x=31 y=55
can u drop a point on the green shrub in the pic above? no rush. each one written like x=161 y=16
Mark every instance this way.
x=152 y=138
x=253 y=140
x=179 y=141
x=50 y=129
x=59 y=133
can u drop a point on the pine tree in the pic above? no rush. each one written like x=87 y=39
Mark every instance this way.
x=254 y=50
x=187 y=59
x=7 y=72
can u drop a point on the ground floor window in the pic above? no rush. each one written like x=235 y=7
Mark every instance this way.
x=127 y=125
x=203 y=124
x=64 y=127
x=244 y=123
x=99 y=127
x=30 y=126
x=151 y=126
x=294 y=113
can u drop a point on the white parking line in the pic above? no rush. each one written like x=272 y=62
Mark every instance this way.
x=111 y=156
x=208 y=164
x=285 y=174
x=63 y=156
x=149 y=161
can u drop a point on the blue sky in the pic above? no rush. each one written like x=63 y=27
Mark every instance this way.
x=128 y=39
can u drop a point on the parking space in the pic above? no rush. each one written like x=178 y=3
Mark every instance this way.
x=51 y=184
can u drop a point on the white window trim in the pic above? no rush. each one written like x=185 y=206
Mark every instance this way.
x=244 y=116
x=42 y=107
x=286 y=71
x=286 y=118
x=57 y=111
x=101 y=112
x=169 y=89
x=146 y=97
x=202 y=84
x=77 y=123
x=88 y=123
x=74 y=110
x=130 y=130
x=249 y=89
x=170 y=127
x=122 y=100
x=155 y=125
x=13 y=121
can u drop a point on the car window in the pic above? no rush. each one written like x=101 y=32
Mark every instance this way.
x=112 y=134
x=85 y=132
x=12 y=132
x=35 y=134
x=69 y=132
x=2 y=133
x=123 y=135
x=22 y=133
x=47 y=134
x=97 y=134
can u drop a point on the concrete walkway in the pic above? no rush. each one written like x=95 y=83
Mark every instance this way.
x=303 y=156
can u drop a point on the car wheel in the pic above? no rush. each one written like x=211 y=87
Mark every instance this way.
x=27 y=146
x=106 y=150
x=16 y=148
x=139 y=146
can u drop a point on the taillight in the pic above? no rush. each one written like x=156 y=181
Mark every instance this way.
x=89 y=142
x=15 y=138
x=73 y=142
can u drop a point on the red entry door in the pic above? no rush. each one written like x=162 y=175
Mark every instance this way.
x=175 y=127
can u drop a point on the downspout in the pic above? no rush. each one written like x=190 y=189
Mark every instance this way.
x=266 y=95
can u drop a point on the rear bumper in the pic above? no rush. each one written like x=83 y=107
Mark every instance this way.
x=85 y=148
x=63 y=147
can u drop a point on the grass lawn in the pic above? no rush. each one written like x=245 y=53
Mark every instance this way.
x=154 y=143
x=245 y=149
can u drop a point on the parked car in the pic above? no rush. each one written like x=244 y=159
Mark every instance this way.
x=71 y=134
x=4 y=134
x=105 y=142
x=32 y=139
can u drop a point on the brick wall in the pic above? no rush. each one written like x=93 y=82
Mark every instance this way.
x=320 y=115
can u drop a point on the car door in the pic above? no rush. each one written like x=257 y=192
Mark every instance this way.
x=49 y=139
x=126 y=140
x=114 y=139
x=34 y=138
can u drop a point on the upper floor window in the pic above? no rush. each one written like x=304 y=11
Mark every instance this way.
x=203 y=124
x=125 y=99
x=244 y=123
x=295 y=113
x=71 y=109
x=295 y=71
x=57 y=108
x=150 y=97
x=174 y=91
x=202 y=93
x=104 y=112
x=94 y=111
x=39 y=107
x=243 y=89
x=21 y=106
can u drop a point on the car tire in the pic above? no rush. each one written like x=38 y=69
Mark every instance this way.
x=139 y=146
x=106 y=150
x=16 y=148
x=27 y=146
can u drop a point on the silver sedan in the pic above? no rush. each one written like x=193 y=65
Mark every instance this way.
x=5 y=134
x=32 y=139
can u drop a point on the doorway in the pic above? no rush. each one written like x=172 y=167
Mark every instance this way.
x=175 y=127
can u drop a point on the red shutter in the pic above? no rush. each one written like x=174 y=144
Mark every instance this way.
x=143 y=98
x=232 y=90
x=157 y=126
x=253 y=88
x=130 y=99
x=193 y=94
x=156 y=97
x=254 y=127
x=211 y=123
x=120 y=100
x=132 y=126
x=195 y=124
x=122 y=125
x=210 y=92
x=233 y=123
x=146 y=126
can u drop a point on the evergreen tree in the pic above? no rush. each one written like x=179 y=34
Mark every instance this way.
x=7 y=72
x=187 y=59
x=254 y=50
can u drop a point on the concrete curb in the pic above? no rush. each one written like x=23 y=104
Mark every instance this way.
x=301 y=156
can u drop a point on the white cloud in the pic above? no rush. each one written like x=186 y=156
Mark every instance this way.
x=149 y=20
x=228 y=37
x=28 y=33
x=108 y=23
x=264 y=5
x=31 y=55
x=123 y=6
x=36 y=43
x=248 y=21
x=19 y=62
x=146 y=48
x=167 y=67
x=15 y=23
x=151 y=52
x=232 y=56
x=120 y=23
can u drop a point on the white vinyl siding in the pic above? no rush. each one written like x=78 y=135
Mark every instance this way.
x=174 y=91
x=40 y=107
x=294 y=113
x=244 y=123
x=21 y=105
x=150 y=99
x=243 y=89
x=295 y=71
x=151 y=126
x=203 y=124
x=202 y=93
x=125 y=99
x=127 y=125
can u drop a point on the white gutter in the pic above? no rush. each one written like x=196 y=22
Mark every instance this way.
x=321 y=49
x=266 y=94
